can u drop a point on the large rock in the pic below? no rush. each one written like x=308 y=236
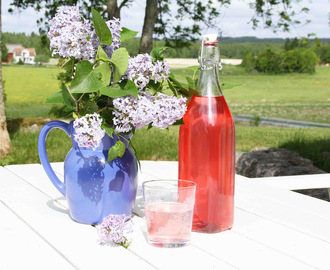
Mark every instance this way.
x=267 y=162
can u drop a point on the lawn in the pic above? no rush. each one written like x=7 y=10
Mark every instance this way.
x=158 y=144
x=26 y=87
x=291 y=96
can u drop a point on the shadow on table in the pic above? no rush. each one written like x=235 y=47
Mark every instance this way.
x=57 y=205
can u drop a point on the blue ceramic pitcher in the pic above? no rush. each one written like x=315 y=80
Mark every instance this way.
x=93 y=188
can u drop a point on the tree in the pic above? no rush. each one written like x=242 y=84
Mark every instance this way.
x=4 y=51
x=5 y=144
x=276 y=15
x=113 y=8
x=150 y=17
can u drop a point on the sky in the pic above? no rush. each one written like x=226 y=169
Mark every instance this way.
x=233 y=21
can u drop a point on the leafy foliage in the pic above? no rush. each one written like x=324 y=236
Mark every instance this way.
x=276 y=15
x=302 y=60
x=4 y=52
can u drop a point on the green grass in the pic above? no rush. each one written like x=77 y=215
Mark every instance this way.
x=291 y=96
x=163 y=144
x=26 y=88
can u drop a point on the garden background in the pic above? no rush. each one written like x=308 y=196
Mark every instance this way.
x=296 y=96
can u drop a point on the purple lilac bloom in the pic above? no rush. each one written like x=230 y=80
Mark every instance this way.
x=114 y=228
x=88 y=131
x=160 y=110
x=115 y=28
x=141 y=69
x=69 y=34
x=168 y=110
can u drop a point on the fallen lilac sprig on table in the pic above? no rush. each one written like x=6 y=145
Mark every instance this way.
x=115 y=228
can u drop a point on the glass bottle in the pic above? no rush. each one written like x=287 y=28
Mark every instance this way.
x=207 y=146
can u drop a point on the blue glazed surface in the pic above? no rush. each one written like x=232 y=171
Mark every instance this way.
x=93 y=187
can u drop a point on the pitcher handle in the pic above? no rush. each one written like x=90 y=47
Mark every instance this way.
x=43 y=153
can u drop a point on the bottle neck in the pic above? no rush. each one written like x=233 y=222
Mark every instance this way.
x=208 y=82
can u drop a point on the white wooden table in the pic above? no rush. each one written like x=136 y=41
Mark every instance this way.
x=274 y=228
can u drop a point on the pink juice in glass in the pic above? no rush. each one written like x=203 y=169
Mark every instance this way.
x=169 y=223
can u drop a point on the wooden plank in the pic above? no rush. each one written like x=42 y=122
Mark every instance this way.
x=297 y=211
x=76 y=242
x=189 y=257
x=17 y=239
x=298 y=245
x=139 y=245
x=294 y=182
x=35 y=180
x=245 y=253
x=291 y=255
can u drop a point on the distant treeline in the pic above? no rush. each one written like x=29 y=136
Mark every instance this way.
x=262 y=40
x=229 y=47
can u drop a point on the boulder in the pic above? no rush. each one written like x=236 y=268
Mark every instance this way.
x=267 y=162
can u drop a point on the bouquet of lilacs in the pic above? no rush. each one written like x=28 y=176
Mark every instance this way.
x=106 y=90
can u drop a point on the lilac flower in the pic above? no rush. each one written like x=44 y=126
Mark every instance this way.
x=115 y=28
x=160 y=110
x=88 y=131
x=115 y=228
x=168 y=110
x=141 y=69
x=69 y=34
x=132 y=112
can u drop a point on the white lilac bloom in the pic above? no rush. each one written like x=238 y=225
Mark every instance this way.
x=115 y=29
x=168 y=110
x=69 y=34
x=115 y=228
x=161 y=111
x=132 y=112
x=141 y=69
x=88 y=131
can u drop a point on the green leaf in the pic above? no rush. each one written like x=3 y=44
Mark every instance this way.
x=106 y=114
x=175 y=92
x=91 y=107
x=154 y=85
x=101 y=55
x=125 y=88
x=157 y=54
x=116 y=150
x=191 y=83
x=74 y=115
x=105 y=71
x=226 y=86
x=56 y=98
x=66 y=96
x=68 y=65
x=119 y=60
x=127 y=34
x=178 y=122
x=101 y=28
x=108 y=130
x=194 y=68
x=86 y=79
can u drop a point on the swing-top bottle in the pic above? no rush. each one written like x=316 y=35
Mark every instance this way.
x=207 y=146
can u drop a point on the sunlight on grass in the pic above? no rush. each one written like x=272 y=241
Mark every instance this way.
x=158 y=144
x=289 y=96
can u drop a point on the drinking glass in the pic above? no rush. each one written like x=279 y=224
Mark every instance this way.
x=169 y=206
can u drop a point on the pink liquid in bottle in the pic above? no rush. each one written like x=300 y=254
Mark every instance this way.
x=207 y=157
